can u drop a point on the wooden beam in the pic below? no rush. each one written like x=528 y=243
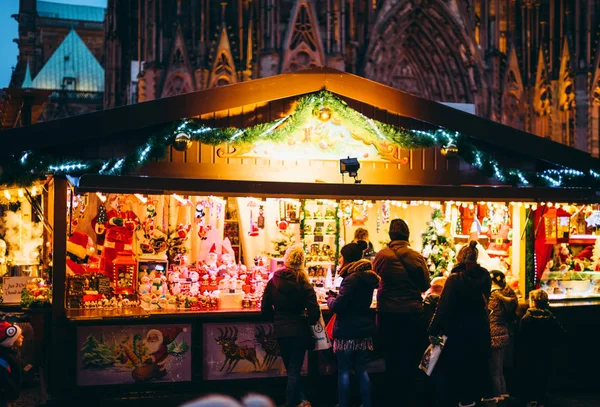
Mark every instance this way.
x=157 y=185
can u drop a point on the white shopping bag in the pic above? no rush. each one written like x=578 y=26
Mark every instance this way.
x=431 y=356
x=320 y=336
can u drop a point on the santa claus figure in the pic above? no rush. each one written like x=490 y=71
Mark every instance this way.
x=79 y=246
x=120 y=227
x=158 y=340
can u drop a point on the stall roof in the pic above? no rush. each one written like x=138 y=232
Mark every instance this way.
x=161 y=111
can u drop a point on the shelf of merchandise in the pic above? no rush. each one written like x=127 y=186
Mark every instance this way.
x=308 y=238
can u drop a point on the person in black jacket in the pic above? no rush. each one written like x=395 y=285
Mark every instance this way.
x=462 y=316
x=401 y=322
x=10 y=365
x=354 y=326
x=290 y=300
x=539 y=333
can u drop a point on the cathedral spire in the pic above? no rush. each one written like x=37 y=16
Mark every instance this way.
x=179 y=78
x=302 y=47
x=223 y=71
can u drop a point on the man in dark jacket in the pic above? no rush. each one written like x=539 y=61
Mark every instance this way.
x=401 y=323
x=10 y=365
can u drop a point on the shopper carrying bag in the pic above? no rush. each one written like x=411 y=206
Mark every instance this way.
x=291 y=303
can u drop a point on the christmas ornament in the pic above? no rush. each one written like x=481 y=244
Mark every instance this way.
x=449 y=151
x=261 y=218
x=385 y=211
x=182 y=142
x=254 y=231
x=323 y=113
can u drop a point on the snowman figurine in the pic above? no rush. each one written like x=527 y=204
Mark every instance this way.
x=195 y=286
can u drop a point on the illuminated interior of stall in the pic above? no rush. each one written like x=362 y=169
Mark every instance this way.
x=180 y=252
x=568 y=250
x=21 y=232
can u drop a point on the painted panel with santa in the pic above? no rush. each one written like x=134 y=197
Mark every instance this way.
x=133 y=354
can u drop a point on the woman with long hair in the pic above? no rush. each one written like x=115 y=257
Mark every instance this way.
x=291 y=302
x=462 y=316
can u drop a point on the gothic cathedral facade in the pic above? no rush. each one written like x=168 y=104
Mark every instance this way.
x=531 y=64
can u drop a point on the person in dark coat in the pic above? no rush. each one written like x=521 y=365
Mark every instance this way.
x=462 y=316
x=539 y=333
x=401 y=323
x=290 y=300
x=354 y=326
x=501 y=306
x=10 y=364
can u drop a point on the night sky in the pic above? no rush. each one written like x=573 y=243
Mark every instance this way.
x=9 y=31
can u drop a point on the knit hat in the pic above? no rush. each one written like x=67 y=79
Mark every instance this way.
x=353 y=251
x=399 y=230
x=9 y=333
x=77 y=244
x=498 y=277
x=294 y=257
x=468 y=253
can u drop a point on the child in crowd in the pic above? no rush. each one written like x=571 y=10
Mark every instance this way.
x=432 y=297
x=539 y=332
x=10 y=365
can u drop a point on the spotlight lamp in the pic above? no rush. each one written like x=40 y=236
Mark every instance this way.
x=350 y=166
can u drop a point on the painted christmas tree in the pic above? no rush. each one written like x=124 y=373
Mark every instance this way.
x=438 y=245
x=96 y=353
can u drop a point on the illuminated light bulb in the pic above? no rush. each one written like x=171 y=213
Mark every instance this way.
x=404 y=205
x=7 y=194
x=101 y=197
x=520 y=204
x=550 y=204
x=464 y=205
x=565 y=207
x=420 y=202
x=526 y=206
x=534 y=207
x=426 y=203
x=370 y=204
x=34 y=191
x=543 y=203
x=20 y=193
x=471 y=206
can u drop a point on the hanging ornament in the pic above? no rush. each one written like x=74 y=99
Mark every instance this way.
x=254 y=231
x=385 y=211
x=378 y=223
x=182 y=142
x=261 y=217
x=101 y=220
x=449 y=150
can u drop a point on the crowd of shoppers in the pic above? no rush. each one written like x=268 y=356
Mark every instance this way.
x=473 y=308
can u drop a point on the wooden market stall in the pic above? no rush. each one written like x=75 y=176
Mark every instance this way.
x=151 y=191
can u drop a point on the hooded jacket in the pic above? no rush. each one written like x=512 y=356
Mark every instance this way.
x=10 y=375
x=291 y=302
x=355 y=320
x=404 y=276
x=462 y=313
x=539 y=332
x=502 y=305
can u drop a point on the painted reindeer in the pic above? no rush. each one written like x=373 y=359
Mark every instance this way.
x=233 y=352
x=268 y=344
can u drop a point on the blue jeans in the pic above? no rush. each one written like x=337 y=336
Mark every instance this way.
x=345 y=359
x=292 y=351
x=497 y=371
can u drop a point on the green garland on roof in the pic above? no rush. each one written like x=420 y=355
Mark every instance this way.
x=28 y=166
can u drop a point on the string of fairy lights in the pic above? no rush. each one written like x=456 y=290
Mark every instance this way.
x=25 y=168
